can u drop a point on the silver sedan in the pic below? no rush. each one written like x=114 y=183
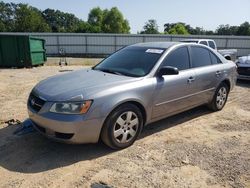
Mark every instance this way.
x=133 y=87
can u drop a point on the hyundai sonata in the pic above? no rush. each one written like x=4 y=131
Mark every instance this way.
x=133 y=87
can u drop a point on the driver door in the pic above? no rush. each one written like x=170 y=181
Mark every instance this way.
x=174 y=93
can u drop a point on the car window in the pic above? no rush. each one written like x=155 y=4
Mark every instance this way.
x=211 y=44
x=131 y=61
x=215 y=60
x=179 y=58
x=200 y=57
x=203 y=42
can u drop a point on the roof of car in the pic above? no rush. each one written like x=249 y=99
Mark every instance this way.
x=156 y=44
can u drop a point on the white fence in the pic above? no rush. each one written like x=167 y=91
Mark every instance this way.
x=83 y=44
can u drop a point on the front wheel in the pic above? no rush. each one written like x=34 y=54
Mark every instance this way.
x=220 y=98
x=122 y=126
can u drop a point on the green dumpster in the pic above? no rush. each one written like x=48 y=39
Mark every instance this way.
x=21 y=51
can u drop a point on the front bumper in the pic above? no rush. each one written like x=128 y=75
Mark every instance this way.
x=243 y=72
x=243 y=77
x=66 y=128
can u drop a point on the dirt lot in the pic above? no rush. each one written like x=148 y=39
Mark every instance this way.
x=193 y=149
x=51 y=61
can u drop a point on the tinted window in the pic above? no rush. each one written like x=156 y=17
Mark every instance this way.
x=178 y=58
x=131 y=61
x=215 y=59
x=211 y=44
x=203 y=42
x=200 y=57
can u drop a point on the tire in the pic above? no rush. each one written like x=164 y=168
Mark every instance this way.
x=220 y=97
x=122 y=127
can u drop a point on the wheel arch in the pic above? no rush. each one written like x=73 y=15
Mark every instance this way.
x=134 y=102
x=227 y=82
x=137 y=103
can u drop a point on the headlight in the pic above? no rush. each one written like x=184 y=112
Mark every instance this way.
x=71 y=107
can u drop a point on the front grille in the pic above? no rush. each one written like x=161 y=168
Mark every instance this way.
x=35 y=102
x=244 y=71
x=65 y=136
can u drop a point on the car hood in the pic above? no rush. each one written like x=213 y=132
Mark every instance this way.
x=243 y=65
x=78 y=85
x=245 y=60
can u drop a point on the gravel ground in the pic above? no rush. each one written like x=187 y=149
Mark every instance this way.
x=194 y=149
x=51 y=61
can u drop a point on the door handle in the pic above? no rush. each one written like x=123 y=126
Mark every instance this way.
x=218 y=73
x=191 y=79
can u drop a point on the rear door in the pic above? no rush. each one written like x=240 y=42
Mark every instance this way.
x=208 y=70
x=174 y=93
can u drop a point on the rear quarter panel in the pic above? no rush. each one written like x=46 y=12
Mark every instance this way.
x=230 y=73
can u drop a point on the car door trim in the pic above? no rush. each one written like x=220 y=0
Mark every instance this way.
x=173 y=100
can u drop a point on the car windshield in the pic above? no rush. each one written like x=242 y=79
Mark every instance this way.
x=131 y=61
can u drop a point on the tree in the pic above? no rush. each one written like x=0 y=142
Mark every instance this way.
x=209 y=32
x=190 y=30
x=95 y=20
x=178 y=29
x=6 y=17
x=29 y=19
x=226 y=30
x=107 y=21
x=2 y=27
x=60 y=21
x=198 y=31
x=83 y=27
x=114 y=22
x=25 y=18
x=52 y=18
x=244 y=29
x=150 y=27
x=71 y=22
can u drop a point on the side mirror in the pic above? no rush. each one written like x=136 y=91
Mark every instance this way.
x=167 y=70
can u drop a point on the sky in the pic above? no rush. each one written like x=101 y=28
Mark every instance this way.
x=208 y=14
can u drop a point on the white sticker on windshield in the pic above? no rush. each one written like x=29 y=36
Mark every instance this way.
x=154 y=51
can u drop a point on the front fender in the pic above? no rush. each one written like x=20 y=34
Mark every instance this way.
x=106 y=101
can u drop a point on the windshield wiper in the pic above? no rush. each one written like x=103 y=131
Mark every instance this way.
x=109 y=71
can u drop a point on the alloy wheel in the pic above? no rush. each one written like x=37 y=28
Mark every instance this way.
x=221 y=97
x=126 y=127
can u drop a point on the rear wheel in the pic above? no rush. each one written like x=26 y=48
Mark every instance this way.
x=122 y=126
x=220 y=98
